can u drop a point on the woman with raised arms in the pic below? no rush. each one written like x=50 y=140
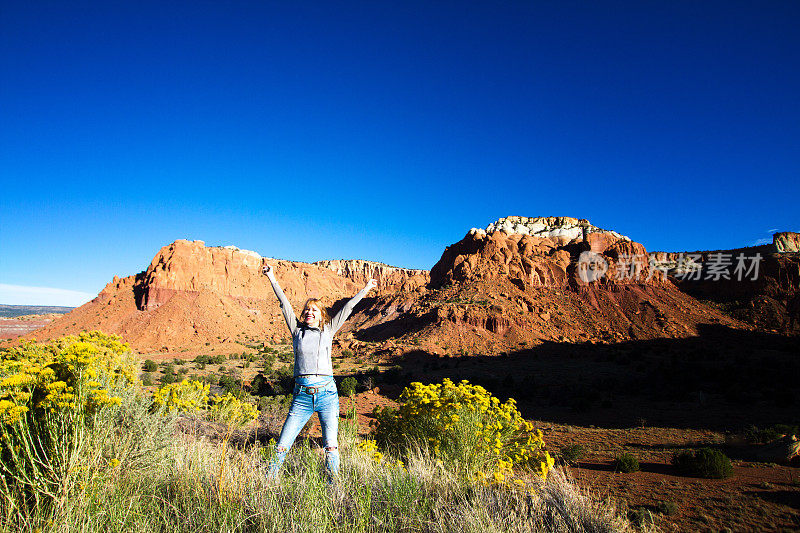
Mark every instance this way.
x=314 y=386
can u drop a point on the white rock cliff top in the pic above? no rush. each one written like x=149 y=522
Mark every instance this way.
x=565 y=228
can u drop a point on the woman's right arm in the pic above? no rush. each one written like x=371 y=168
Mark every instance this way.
x=286 y=307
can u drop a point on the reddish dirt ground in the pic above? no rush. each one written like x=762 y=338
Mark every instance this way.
x=758 y=497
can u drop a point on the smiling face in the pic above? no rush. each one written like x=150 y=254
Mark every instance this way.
x=311 y=315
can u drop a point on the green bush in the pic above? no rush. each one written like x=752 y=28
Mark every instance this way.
x=572 y=453
x=150 y=366
x=349 y=385
x=705 y=462
x=147 y=379
x=762 y=436
x=230 y=384
x=667 y=508
x=642 y=517
x=626 y=463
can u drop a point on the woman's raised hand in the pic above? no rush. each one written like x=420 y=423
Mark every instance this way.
x=268 y=270
x=371 y=284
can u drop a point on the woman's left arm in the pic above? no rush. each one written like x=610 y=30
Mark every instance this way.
x=345 y=311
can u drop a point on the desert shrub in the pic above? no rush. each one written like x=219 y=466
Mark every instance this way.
x=642 y=517
x=259 y=385
x=147 y=379
x=705 y=462
x=166 y=379
x=269 y=361
x=184 y=396
x=347 y=353
x=467 y=427
x=762 y=436
x=231 y=410
x=193 y=397
x=572 y=453
x=626 y=463
x=349 y=385
x=209 y=359
x=367 y=382
x=230 y=384
x=281 y=402
x=51 y=398
x=667 y=508
x=150 y=366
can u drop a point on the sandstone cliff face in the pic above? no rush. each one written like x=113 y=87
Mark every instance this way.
x=197 y=297
x=755 y=284
x=360 y=271
x=191 y=267
x=556 y=252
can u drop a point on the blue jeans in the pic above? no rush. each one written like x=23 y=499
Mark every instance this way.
x=325 y=402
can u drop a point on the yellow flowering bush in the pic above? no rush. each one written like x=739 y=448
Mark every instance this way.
x=193 y=396
x=231 y=410
x=50 y=394
x=369 y=448
x=186 y=396
x=464 y=424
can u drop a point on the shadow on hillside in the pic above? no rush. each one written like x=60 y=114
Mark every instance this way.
x=722 y=379
x=789 y=498
x=394 y=327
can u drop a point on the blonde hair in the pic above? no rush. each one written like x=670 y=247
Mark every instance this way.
x=324 y=317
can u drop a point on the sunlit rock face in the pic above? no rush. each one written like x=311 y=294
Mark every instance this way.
x=388 y=277
x=564 y=230
x=545 y=252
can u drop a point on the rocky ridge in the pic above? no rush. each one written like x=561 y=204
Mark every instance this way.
x=759 y=285
x=561 y=279
x=389 y=277
x=191 y=267
x=193 y=297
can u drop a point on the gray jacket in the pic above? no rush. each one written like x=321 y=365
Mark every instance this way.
x=312 y=346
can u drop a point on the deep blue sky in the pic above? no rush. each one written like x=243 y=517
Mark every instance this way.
x=385 y=130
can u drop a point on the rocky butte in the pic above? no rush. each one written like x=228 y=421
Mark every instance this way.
x=522 y=281
x=196 y=297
